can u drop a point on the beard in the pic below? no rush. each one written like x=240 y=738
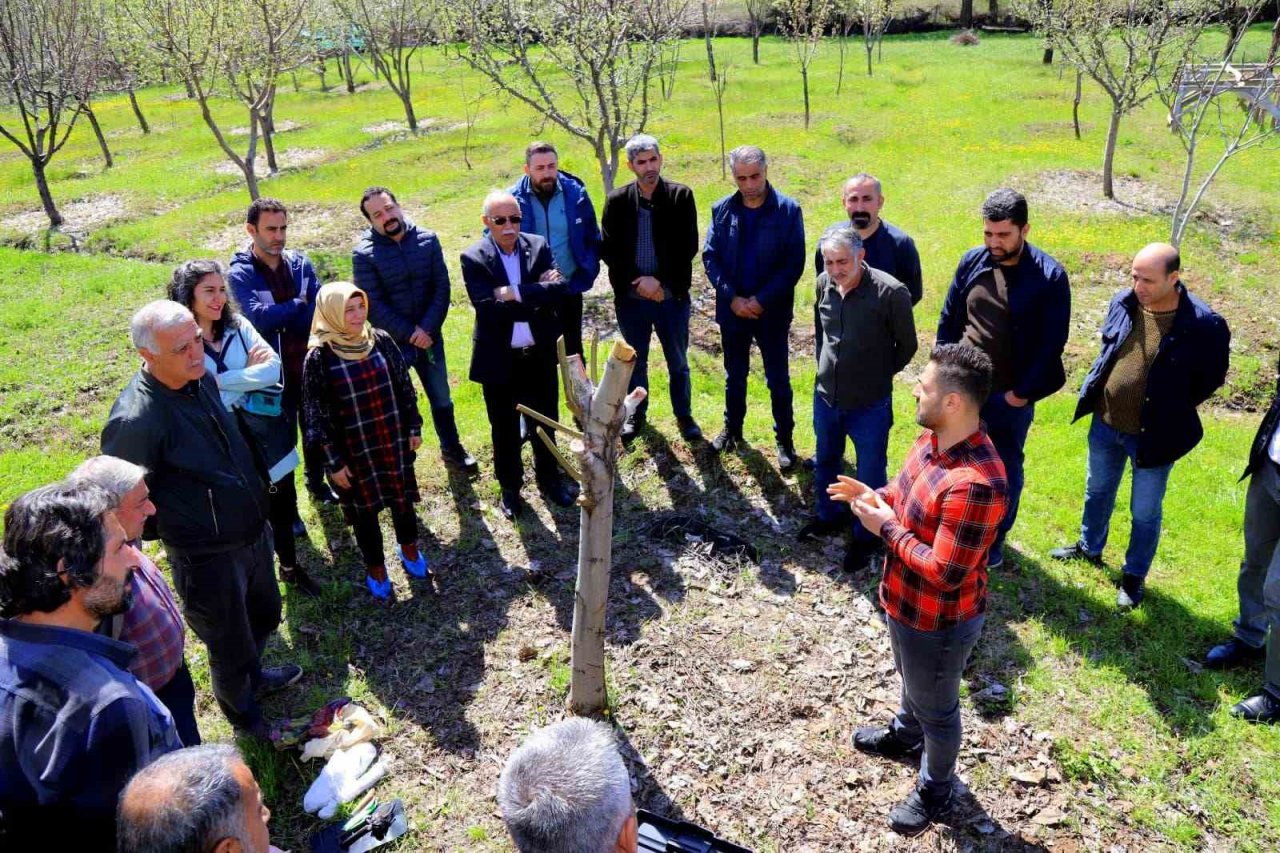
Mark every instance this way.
x=545 y=186
x=926 y=418
x=861 y=219
x=393 y=226
x=109 y=597
x=1001 y=255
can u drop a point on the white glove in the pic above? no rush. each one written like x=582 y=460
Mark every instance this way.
x=347 y=775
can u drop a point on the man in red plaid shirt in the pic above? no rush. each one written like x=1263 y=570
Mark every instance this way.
x=938 y=518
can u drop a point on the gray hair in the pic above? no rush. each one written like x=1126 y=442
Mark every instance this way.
x=496 y=196
x=841 y=235
x=183 y=801
x=117 y=477
x=566 y=790
x=747 y=154
x=862 y=178
x=156 y=316
x=640 y=143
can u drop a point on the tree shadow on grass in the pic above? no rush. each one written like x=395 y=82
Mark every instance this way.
x=1156 y=647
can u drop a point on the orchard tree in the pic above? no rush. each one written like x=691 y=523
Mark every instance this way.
x=393 y=31
x=1125 y=46
x=46 y=62
x=587 y=66
x=803 y=23
x=758 y=12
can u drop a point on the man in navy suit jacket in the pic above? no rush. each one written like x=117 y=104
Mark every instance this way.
x=512 y=280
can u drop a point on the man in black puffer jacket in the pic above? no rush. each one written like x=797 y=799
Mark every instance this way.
x=211 y=506
x=401 y=268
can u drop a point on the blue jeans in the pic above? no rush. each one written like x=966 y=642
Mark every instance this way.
x=639 y=319
x=1108 y=452
x=868 y=429
x=931 y=664
x=771 y=335
x=1007 y=427
x=1259 y=582
x=434 y=375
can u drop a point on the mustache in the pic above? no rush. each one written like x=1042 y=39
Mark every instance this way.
x=861 y=219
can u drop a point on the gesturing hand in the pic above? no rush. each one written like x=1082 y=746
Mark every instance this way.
x=873 y=512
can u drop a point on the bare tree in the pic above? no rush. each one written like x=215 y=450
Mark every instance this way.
x=129 y=58
x=393 y=31
x=190 y=35
x=874 y=16
x=45 y=61
x=1124 y=46
x=261 y=42
x=966 y=14
x=803 y=23
x=585 y=65
x=758 y=12
x=1234 y=104
x=718 y=87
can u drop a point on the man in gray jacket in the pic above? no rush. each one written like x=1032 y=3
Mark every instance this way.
x=211 y=506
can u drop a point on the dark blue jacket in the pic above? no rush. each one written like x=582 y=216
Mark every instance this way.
x=890 y=250
x=1266 y=429
x=1190 y=365
x=780 y=249
x=1040 y=305
x=584 y=233
x=407 y=282
x=270 y=318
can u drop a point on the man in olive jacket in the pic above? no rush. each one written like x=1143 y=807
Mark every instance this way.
x=211 y=506
x=650 y=238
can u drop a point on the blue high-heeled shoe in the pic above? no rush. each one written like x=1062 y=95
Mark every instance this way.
x=379 y=589
x=417 y=568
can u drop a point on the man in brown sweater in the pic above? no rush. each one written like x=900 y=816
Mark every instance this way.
x=1164 y=352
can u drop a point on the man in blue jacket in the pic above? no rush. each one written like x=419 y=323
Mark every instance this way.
x=555 y=206
x=1012 y=301
x=888 y=248
x=1164 y=352
x=401 y=267
x=753 y=257
x=1259 y=583
x=276 y=288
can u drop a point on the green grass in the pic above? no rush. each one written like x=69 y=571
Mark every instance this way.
x=1126 y=718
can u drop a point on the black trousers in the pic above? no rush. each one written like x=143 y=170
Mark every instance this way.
x=533 y=382
x=312 y=458
x=570 y=310
x=231 y=601
x=179 y=696
x=282 y=512
x=369 y=534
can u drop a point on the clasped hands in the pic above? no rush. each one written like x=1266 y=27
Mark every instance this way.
x=746 y=307
x=649 y=288
x=868 y=506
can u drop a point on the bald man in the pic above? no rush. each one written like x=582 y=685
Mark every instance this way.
x=1164 y=352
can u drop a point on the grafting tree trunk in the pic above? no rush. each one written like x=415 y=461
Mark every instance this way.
x=593 y=462
x=87 y=109
x=1109 y=154
x=1075 y=105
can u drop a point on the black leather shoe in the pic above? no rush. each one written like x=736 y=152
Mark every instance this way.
x=559 y=492
x=727 y=441
x=322 y=494
x=299 y=529
x=815 y=527
x=786 y=456
x=689 y=429
x=301 y=581
x=631 y=429
x=511 y=504
x=458 y=457
x=1234 y=652
x=1132 y=590
x=809 y=464
x=1261 y=707
x=880 y=740
x=1076 y=552
x=914 y=814
x=276 y=678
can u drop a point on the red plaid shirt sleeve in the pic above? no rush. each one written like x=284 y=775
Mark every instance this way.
x=967 y=526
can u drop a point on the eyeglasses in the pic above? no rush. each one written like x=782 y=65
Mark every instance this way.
x=503 y=220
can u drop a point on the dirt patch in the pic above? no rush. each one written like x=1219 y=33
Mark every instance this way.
x=311 y=227
x=81 y=216
x=1081 y=190
x=388 y=127
x=281 y=127
x=288 y=159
